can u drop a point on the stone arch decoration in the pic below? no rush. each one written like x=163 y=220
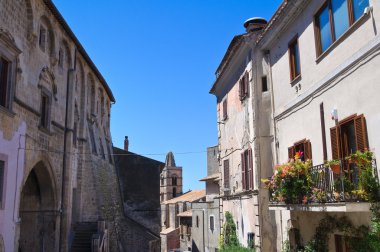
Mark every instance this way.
x=68 y=59
x=51 y=38
x=47 y=80
x=39 y=211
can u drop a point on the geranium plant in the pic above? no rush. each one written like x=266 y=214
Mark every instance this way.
x=291 y=182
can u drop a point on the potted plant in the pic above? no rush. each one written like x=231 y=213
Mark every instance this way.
x=334 y=165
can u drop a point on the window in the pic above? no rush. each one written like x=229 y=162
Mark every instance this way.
x=244 y=86
x=212 y=225
x=2 y=167
x=225 y=114
x=303 y=146
x=251 y=240
x=174 y=180
x=334 y=18
x=45 y=111
x=197 y=221
x=226 y=166
x=61 y=58
x=4 y=82
x=349 y=136
x=264 y=84
x=43 y=38
x=247 y=170
x=294 y=59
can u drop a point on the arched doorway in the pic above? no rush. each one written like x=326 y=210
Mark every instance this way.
x=38 y=230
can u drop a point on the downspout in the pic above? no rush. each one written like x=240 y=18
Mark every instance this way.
x=69 y=72
x=203 y=230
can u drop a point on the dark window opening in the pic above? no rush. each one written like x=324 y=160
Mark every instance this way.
x=174 y=192
x=43 y=36
x=212 y=225
x=45 y=103
x=225 y=114
x=2 y=167
x=4 y=71
x=61 y=58
x=197 y=221
x=174 y=180
x=264 y=84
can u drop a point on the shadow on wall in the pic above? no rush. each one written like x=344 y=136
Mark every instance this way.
x=194 y=247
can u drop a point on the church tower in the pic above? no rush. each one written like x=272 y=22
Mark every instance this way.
x=171 y=179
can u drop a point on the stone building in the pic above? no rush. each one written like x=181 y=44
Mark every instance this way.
x=244 y=139
x=277 y=88
x=139 y=180
x=206 y=215
x=56 y=170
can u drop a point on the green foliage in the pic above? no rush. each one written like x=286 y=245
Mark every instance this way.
x=230 y=237
x=228 y=241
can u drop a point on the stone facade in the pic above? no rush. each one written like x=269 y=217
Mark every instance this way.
x=55 y=141
x=171 y=179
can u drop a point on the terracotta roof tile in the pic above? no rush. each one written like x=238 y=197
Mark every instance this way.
x=189 y=196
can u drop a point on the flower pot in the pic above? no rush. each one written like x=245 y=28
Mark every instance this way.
x=335 y=168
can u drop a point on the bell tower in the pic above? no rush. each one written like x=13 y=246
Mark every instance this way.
x=171 y=179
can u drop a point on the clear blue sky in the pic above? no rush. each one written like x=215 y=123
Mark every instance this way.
x=159 y=58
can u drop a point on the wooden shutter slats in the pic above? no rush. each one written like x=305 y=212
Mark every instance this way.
x=360 y=133
x=291 y=152
x=250 y=168
x=334 y=134
x=307 y=151
x=243 y=175
x=226 y=174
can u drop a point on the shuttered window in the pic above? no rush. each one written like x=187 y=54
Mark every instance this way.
x=303 y=146
x=247 y=170
x=349 y=136
x=2 y=167
x=244 y=86
x=45 y=111
x=226 y=166
x=294 y=59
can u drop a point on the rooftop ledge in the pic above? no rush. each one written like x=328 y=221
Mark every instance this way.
x=346 y=207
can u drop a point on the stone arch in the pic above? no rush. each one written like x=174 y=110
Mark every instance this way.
x=51 y=37
x=47 y=80
x=91 y=94
x=81 y=95
x=39 y=210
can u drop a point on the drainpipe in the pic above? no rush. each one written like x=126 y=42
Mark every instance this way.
x=69 y=73
x=203 y=230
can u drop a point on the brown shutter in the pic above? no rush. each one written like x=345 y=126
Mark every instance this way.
x=307 y=150
x=291 y=153
x=226 y=174
x=250 y=169
x=243 y=178
x=334 y=134
x=361 y=133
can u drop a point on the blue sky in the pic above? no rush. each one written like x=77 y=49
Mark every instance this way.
x=159 y=58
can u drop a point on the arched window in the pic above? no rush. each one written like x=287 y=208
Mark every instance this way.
x=174 y=180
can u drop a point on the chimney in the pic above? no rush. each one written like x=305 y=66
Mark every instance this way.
x=255 y=24
x=126 y=143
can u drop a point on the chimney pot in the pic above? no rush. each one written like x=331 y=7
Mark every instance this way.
x=126 y=143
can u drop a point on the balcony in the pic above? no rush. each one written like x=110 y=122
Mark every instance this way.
x=347 y=185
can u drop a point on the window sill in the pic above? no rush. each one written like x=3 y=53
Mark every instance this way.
x=7 y=111
x=295 y=80
x=347 y=33
x=45 y=130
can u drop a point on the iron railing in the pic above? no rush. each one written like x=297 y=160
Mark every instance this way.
x=334 y=186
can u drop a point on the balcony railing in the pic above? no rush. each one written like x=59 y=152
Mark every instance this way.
x=330 y=185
